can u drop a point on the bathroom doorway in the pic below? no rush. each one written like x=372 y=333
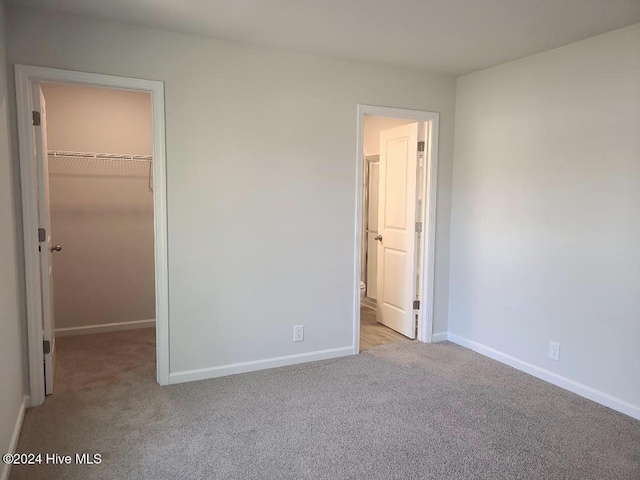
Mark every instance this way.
x=396 y=226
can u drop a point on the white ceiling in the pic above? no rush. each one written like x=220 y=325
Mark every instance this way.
x=448 y=36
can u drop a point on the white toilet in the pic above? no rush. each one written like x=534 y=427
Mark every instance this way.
x=363 y=289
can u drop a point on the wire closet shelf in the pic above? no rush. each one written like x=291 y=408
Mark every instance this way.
x=64 y=155
x=106 y=156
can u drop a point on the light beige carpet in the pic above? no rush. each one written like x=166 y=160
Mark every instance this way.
x=405 y=411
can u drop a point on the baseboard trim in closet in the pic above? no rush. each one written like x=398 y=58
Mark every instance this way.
x=105 y=327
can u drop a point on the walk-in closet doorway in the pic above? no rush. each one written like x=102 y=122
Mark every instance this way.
x=100 y=188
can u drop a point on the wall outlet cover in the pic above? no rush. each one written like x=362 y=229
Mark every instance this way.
x=298 y=333
x=554 y=350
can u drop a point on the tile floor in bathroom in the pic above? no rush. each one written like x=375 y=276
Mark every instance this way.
x=373 y=334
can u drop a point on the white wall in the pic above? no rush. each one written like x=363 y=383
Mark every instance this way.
x=371 y=131
x=261 y=172
x=11 y=333
x=93 y=119
x=101 y=210
x=545 y=228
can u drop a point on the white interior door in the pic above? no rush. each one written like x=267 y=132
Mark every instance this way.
x=396 y=226
x=46 y=246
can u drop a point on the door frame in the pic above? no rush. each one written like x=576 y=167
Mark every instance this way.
x=367 y=161
x=426 y=248
x=25 y=76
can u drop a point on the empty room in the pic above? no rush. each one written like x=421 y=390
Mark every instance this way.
x=320 y=240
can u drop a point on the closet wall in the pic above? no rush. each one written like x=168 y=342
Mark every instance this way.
x=101 y=210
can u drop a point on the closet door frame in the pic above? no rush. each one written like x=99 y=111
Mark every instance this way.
x=25 y=77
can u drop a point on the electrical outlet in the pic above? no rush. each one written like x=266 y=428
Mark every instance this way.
x=298 y=333
x=554 y=350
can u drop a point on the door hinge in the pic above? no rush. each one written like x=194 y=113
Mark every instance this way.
x=421 y=146
x=46 y=346
x=419 y=227
x=42 y=235
x=36 y=118
x=416 y=304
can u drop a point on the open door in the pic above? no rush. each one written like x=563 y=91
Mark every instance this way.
x=44 y=233
x=396 y=228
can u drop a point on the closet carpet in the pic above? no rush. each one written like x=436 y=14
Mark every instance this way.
x=403 y=411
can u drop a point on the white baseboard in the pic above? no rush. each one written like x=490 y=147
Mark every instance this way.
x=14 y=437
x=548 y=376
x=105 y=327
x=213 y=372
x=439 y=337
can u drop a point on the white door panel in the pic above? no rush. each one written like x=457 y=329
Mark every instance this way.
x=395 y=188
x=46 y=247
x=396 y=228
x=393 y=266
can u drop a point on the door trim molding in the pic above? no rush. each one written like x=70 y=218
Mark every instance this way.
x=25 y=76
x=364 y=267
x=427 y=246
